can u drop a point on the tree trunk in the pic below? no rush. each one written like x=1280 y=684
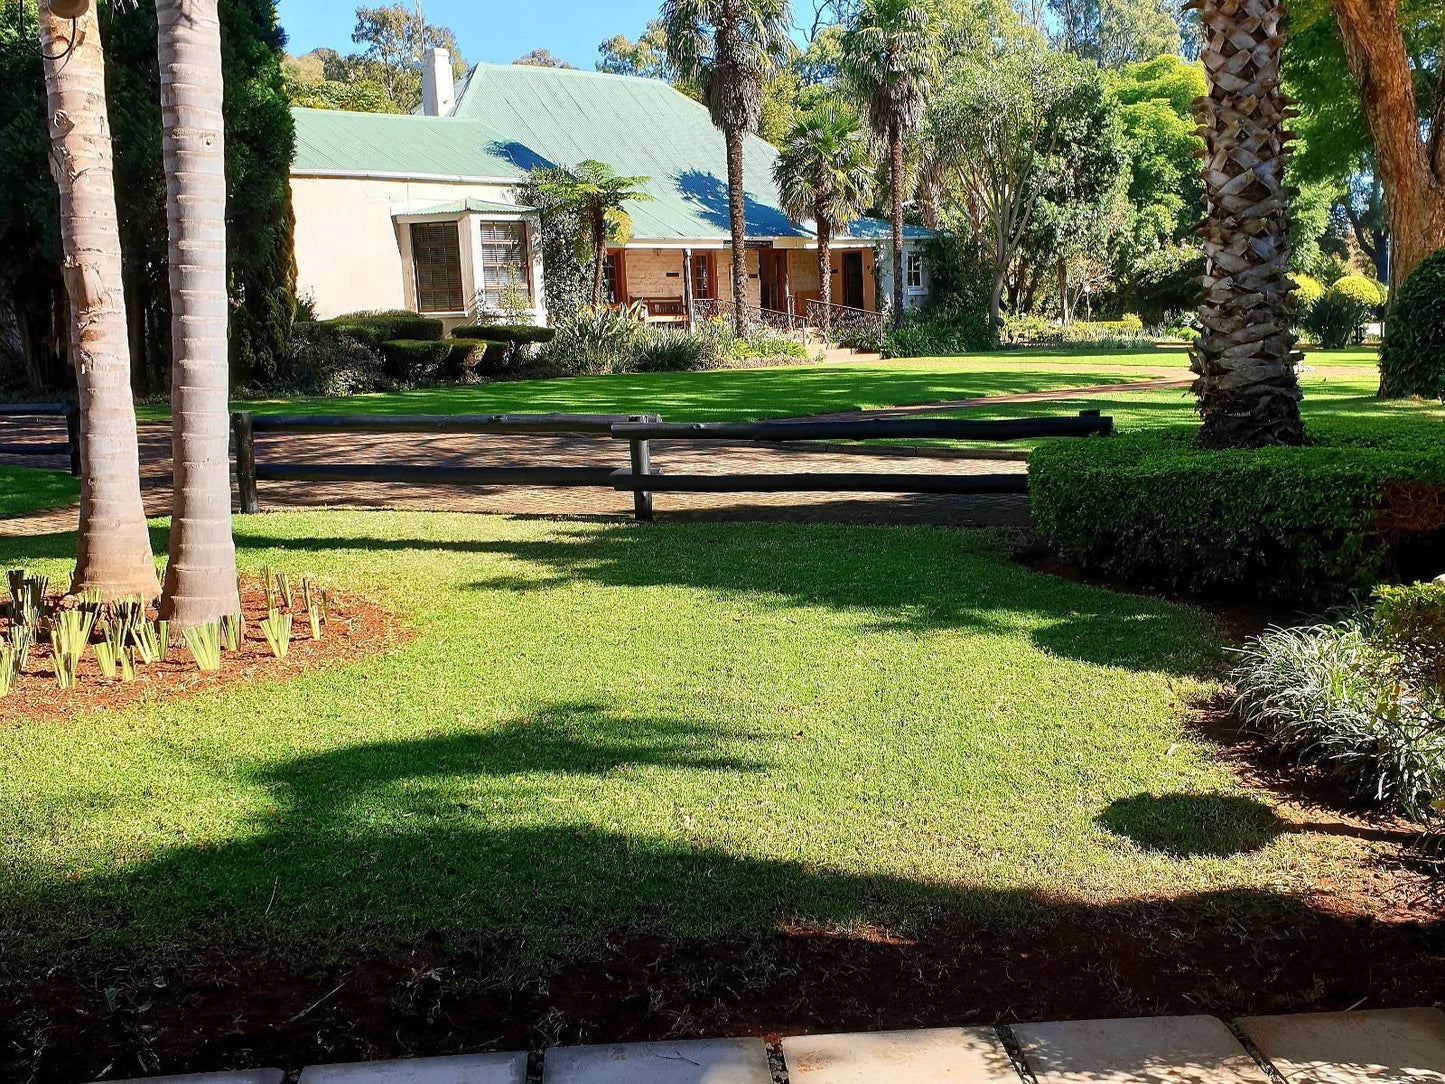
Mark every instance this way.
x=599 y=257
x=113 y=552
x=1245 y=358
x=737 y=223
x=1411 y=170
x=895 y=182
x=825 y=265
x=201 y=577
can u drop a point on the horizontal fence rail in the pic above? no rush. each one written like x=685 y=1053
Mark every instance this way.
x=639 y=430
x=70 y=446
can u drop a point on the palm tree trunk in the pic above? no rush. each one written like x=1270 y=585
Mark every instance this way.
x=1247 y=388
x=895 y=183
x=201 y=577
x=113 y=552
x=825 y=265
x=737 y=223
x=599 y=256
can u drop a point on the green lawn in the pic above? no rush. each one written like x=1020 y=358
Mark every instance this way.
x=733 y=394
x=26 y=489
x=685 y=730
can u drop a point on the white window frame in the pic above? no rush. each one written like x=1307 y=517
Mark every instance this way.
x=913 y=269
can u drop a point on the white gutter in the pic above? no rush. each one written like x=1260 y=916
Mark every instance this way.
x=372 y=175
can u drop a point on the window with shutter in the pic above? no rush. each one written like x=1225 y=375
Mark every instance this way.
x=504 y=264
x=436 y=254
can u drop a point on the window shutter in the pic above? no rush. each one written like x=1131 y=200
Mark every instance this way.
x=436 y=254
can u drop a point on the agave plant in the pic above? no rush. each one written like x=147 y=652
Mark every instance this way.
x=276 y=625
x=151 y=639
x=204 y=640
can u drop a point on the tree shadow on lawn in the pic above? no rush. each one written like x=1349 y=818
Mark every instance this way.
x=916 y=580
x=380 y=878
x=1193 y=825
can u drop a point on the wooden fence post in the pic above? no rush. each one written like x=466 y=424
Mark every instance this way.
x=642 y=466
x=245 y=439
x=72 y=436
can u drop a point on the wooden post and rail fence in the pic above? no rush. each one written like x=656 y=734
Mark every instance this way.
x=70 y=447
x=640 y=477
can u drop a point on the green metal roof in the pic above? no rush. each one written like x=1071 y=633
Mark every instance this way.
x=638 y=127
x=333 y=142
x=878 y=229
x=468 y=206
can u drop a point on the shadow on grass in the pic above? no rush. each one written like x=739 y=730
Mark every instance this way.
x=1193 y=825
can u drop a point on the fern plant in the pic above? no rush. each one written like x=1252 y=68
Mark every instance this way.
x=277 y=627
x=204 y=640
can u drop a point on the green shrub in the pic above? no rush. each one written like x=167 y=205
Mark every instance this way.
x=941 y=333
x=596 y=340
x=1365 y=291
x=1307 y=290
x=328 y=362
x=1412 y=360
x=1409 y=621
x=375 y=328
x=1334 y=695
x=759 y=347
x=1029 y=329
x=668 y=350
x=419 y=361
x=518 y=334
x=1295 y=524
x=1338 y=318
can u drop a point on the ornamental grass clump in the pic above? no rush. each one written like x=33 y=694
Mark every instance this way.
x=1358 y=697
x=276 y=626
x=151 y=639
x=69 y=635
x=233 y=631
x=27 y=597
x=204 y=640
x=9 y=670
x=317 y=604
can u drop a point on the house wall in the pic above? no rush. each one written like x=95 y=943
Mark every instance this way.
x=803 y=270
x=912 y=297
x=657 y=272
x=350 y=253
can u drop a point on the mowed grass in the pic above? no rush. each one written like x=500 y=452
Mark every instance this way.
x=744 y=394
x=691 y=731
x=27 y=489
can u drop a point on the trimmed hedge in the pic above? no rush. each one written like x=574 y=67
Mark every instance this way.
x=375 y=328
x=415 y=360
x=1305 y=524
x=518 y=334
x=1412 y=359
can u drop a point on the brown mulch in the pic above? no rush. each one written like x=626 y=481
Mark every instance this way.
x=356 y=628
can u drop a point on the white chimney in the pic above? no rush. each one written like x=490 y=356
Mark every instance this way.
x=438 y=92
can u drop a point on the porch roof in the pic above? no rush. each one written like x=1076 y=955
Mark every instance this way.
x=468 y=206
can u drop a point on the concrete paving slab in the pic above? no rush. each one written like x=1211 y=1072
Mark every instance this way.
x=463 y=1069
x=931 y=1056
x=239 y=1076
x=1379 y=1046
x=701 y=1061
x=1162 y=1050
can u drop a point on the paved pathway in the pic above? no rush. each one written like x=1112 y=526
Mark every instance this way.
x=1391 y=1046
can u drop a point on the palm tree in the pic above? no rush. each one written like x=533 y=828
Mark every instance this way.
x=201 y=577
x=730 y=48
x=599 y=197
x=825 y=172
x=891 y=56
x=1245 y=358
x=113 y=553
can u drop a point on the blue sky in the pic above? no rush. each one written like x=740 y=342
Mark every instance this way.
x=490 y=30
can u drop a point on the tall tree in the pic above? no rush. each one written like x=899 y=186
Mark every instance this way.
x=599 y=197
x=890 y=55
x=1409 y=142
x=1117 y=32
x=1245 y=359
x=396 y=39
x=825 y=172
x=113 y=552
x=730 y=49
x=201 y=576
x=646 y=57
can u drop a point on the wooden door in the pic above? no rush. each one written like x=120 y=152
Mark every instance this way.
x=853 y=280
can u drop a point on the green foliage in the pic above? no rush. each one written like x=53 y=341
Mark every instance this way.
x=375 y=328
x=276 y=626
x=1334 y=695
x=1364 y=291
x=1123 y=334
x=331 y=361
x=824 y=171
x=514 y=334
x=941 y=332
x=1412 y=360
x=729 y=50
x=396 y=38
x=204 y=642
x=69 y=635
x=1408 y=620
x=417 y=361
x=1307 y=290
x=959 y=275
x=1156 y=114
x=363 y=96
x=596 y=340
x=1338 y=318
x=9 y=670
x=233 y=631
x=151 y=640
x=1163 y=281
x=1293 y=524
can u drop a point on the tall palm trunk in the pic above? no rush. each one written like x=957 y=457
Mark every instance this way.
x=599 y=255
x=113 y=551
x=825 y=263
x=737 y=224
x=201 y=577
x=895 y=183
x=1247 y=388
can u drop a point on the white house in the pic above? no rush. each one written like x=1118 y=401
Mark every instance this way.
x=421 y=212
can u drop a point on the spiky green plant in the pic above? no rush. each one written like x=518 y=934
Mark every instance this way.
x=27 y=597
x=277 y=627
x=105 y=655
x=9 y=670
x=151 y=639
x=69 y=634
x=126 y=614
x=283 y=589
x=204 y=640
x=268 y=586
x=233 y=630
x=90 y=601
x=127 y=666
x=21 y=638
x=314 y=599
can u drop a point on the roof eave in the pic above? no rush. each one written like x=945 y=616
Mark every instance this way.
x=379 y=175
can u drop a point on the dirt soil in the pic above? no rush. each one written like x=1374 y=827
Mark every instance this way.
x=355 y=628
